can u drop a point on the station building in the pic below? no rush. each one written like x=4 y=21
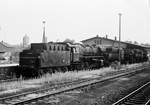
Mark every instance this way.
x=103 y=41
x=5 y=51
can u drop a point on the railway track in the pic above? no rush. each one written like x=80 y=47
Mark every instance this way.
x=10 y=99
x=140 y=96
x=8 y=80
x=54 y=90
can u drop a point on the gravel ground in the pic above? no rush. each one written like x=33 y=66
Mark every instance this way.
x=100 y=94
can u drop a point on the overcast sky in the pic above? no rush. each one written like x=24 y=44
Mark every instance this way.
x=74 y=19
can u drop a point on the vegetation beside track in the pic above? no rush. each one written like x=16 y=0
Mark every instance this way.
x=56 y=78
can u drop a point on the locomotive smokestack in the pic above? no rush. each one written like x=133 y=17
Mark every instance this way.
x=44 y=38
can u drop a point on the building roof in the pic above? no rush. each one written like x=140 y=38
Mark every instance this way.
x=97 y=37
x=4 y=47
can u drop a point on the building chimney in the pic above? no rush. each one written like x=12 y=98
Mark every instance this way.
x=115 y=38
x=25 y=41
x=44 y=37
x=106 y=36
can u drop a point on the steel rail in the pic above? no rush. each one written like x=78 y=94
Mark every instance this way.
x=128 y=97
x=8 y=80
x=40 y=90
x=148 y=102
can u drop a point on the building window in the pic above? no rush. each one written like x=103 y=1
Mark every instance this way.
x=62 y=48
x=58 y=48
x=97 y=41
x=54 y=48
x=100 y=41
x=66 y=48
x=50 y=48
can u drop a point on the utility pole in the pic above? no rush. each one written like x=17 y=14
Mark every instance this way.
x=119 y=36
x=44 y=37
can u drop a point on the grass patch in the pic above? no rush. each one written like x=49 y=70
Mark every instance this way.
x=59 y=77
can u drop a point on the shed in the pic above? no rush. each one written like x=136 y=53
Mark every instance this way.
x=5 y=51
x=103 y=42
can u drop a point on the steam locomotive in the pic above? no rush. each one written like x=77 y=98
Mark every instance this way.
x=60 y=56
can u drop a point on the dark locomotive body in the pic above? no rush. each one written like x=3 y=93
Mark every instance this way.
x=61 y=56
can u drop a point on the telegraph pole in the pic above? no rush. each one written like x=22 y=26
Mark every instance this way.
x=119 y=36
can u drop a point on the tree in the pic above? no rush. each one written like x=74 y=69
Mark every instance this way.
x=69 y=40
x=128 y=41
x=135 y=42
x=145 y=44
